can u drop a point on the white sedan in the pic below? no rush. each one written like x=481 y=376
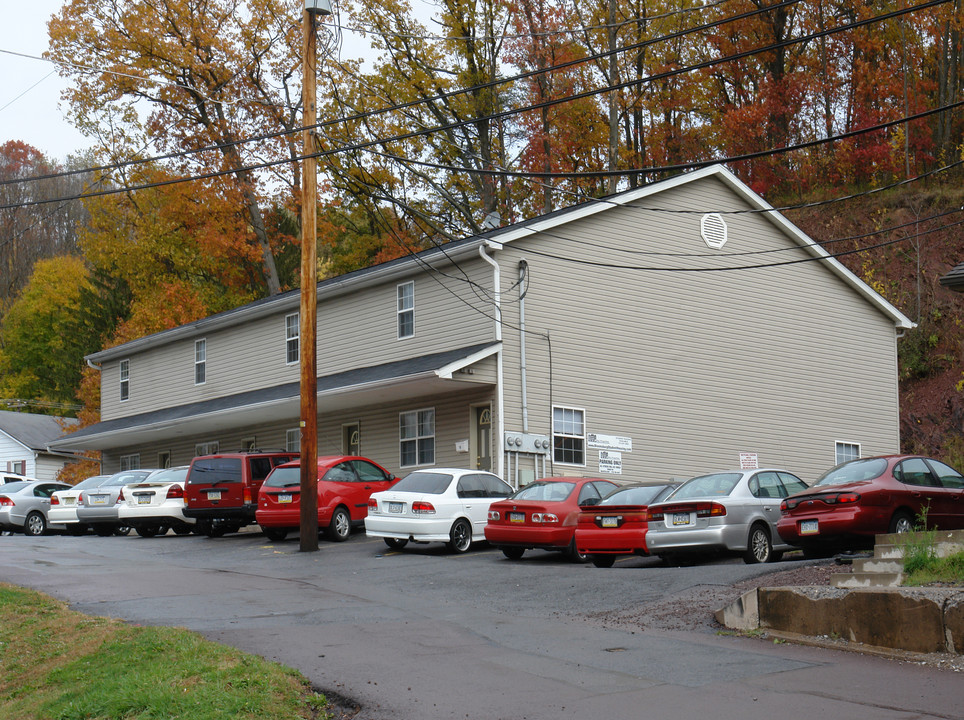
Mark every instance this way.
x=156 y=504
x=439 y=505
x=63 y=505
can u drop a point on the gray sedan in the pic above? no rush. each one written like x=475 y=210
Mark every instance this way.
x=734 y=511
x=24 y=505
x=97 y=507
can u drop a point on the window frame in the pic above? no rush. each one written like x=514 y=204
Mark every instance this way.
x=296 y=434
x=840 y=446
x=163 y=459
x=420 y=440
x=200 y=361
x=124 y=372
x=209 y=447
x=405 y=316
x=568 y=436
x=293 y=341
x=131 y=461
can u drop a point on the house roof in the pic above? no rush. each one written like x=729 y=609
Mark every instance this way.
x=413 y=377
x=409 y=265
x=31 y=430
x=955 y=278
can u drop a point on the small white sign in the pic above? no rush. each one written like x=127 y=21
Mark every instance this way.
x=610 y=462
x=595 y=441
x=461 y=446
x=749 y=461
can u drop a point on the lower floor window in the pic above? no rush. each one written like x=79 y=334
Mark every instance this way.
x=207 y=448
x=293 y=440
x=847 y=451
x=130 y=462
x=568 y=436
x=416 y=434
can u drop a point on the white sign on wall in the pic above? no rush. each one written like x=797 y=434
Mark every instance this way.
x=749 y=461
x=610 y=462
x=595 y=441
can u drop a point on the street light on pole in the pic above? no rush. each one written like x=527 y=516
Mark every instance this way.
x=309 y=281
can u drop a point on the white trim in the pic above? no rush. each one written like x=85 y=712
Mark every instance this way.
x=552 y=435
x=123 y=378
x=297 y=436
x=417 y=437
x=288 y=339
x=837 y=445
x=447 y=371
x=203 y=342
x=399 y=311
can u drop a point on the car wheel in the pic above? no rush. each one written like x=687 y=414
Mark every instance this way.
x=122 y=530
x=183 y=529
x=35 y=525
x=460 y=536
x=215 y=530
x=147 y=531
x=513 y=553
x=275 y=534
x=758 y=547
x=396 y=543
x=603 y=561
x=902 y=522
x=574 y=555
x=340 y=526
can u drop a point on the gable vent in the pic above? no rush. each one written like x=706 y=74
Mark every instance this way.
x=713 y=230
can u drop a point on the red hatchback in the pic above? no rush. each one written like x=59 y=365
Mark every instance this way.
x=617 y=525
x=859 y=499
x=345 y=483
x=543 y=515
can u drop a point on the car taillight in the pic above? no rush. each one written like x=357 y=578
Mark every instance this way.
x=702 y=510
x=372 y=505
x=120 y=497
x=494 y=515
x=545 y=518
x=246 y=496
x=6 y=502
x=842 y=498
x=710 y=510
x=175 y=492
x=420 y=507
x=54 y=500
x=80 y=499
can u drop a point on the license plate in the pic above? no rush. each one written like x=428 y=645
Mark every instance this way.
x=98 y=499
x=284 y=497
x=394 y=507
x=214 y=495
x=143 y=499
x=809 y=527
x=681 y=518
x=70 y=501
x=610 y=522
x=517 y=517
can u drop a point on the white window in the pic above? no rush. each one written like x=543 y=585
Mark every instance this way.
x=164 y=459
x=17 y=467
x=130 y=462
x=569 y=436
x=200 y=361
x=292 y=338
x=406 y=310
x=125 y=382
x=207 y=448
x=293 y=440
x=846 y=451
x=416 y=435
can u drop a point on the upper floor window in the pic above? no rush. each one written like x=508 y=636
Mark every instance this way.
x=406 y=310
x=125 y=382
x=292 y=338
x=846 y=451
x=569 y=436
x=416 y=436
x=200 y=361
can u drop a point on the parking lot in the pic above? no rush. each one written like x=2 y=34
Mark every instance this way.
x=422 y=633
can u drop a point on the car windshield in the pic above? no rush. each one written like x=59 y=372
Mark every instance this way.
x=853 y=471
x=283 y=476
x=715 y=485
x=431 y=483
x=636 y=495
x=169 y=475
x=551 y=491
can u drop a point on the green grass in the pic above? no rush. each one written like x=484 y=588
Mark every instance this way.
x=57 y=664
x=932 y=570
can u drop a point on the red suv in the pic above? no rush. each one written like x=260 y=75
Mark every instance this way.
x=345 y=483
x=221 y=491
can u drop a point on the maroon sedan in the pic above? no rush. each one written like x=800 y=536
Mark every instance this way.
x=543 y=515
x=344 y=485
x=859 y=499
x=617 y=525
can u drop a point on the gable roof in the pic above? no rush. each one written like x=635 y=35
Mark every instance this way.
x=31 y=430
x=955 y=278
x=407 y=266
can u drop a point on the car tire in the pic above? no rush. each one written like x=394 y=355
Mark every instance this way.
x=574 y=555
x=902 y=522
x=460 y=536
x=603 y=561
x=35 y=525
x=183 y=529
x=759 y=549
x=122 y=530
x=147 y=531
x=275 y=534
x=395 y=543
x=340 y=526
x=513 y=553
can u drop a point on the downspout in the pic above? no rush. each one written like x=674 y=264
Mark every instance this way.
x=523 y=269
x=500 y=390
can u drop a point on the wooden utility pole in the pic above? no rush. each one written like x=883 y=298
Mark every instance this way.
x=309 y=291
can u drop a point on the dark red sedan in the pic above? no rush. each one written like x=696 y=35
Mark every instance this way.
x=543 y=515
x=854 y=501
x=617 y=525
x=344 y=485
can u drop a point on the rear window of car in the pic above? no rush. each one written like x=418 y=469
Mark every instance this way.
x=212 y=470
x=545 y=491
x=284 y=477
x=424 y=482
x=170 y=475
x=715 y=485
x=637 y=495
x=13 y=486
x=123 y=479
x=853 y=471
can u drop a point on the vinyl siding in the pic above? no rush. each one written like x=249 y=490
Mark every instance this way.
x=697 y=367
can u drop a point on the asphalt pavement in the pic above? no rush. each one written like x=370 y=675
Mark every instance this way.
x=421 y=633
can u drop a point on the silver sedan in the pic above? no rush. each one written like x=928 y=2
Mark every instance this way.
x=97 y=507
x=734 y=511
x=24 y=505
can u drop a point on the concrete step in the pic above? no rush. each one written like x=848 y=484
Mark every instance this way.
x=865 y=580
x=878 y=565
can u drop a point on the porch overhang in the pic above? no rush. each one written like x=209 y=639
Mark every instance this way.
x=390 y=383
